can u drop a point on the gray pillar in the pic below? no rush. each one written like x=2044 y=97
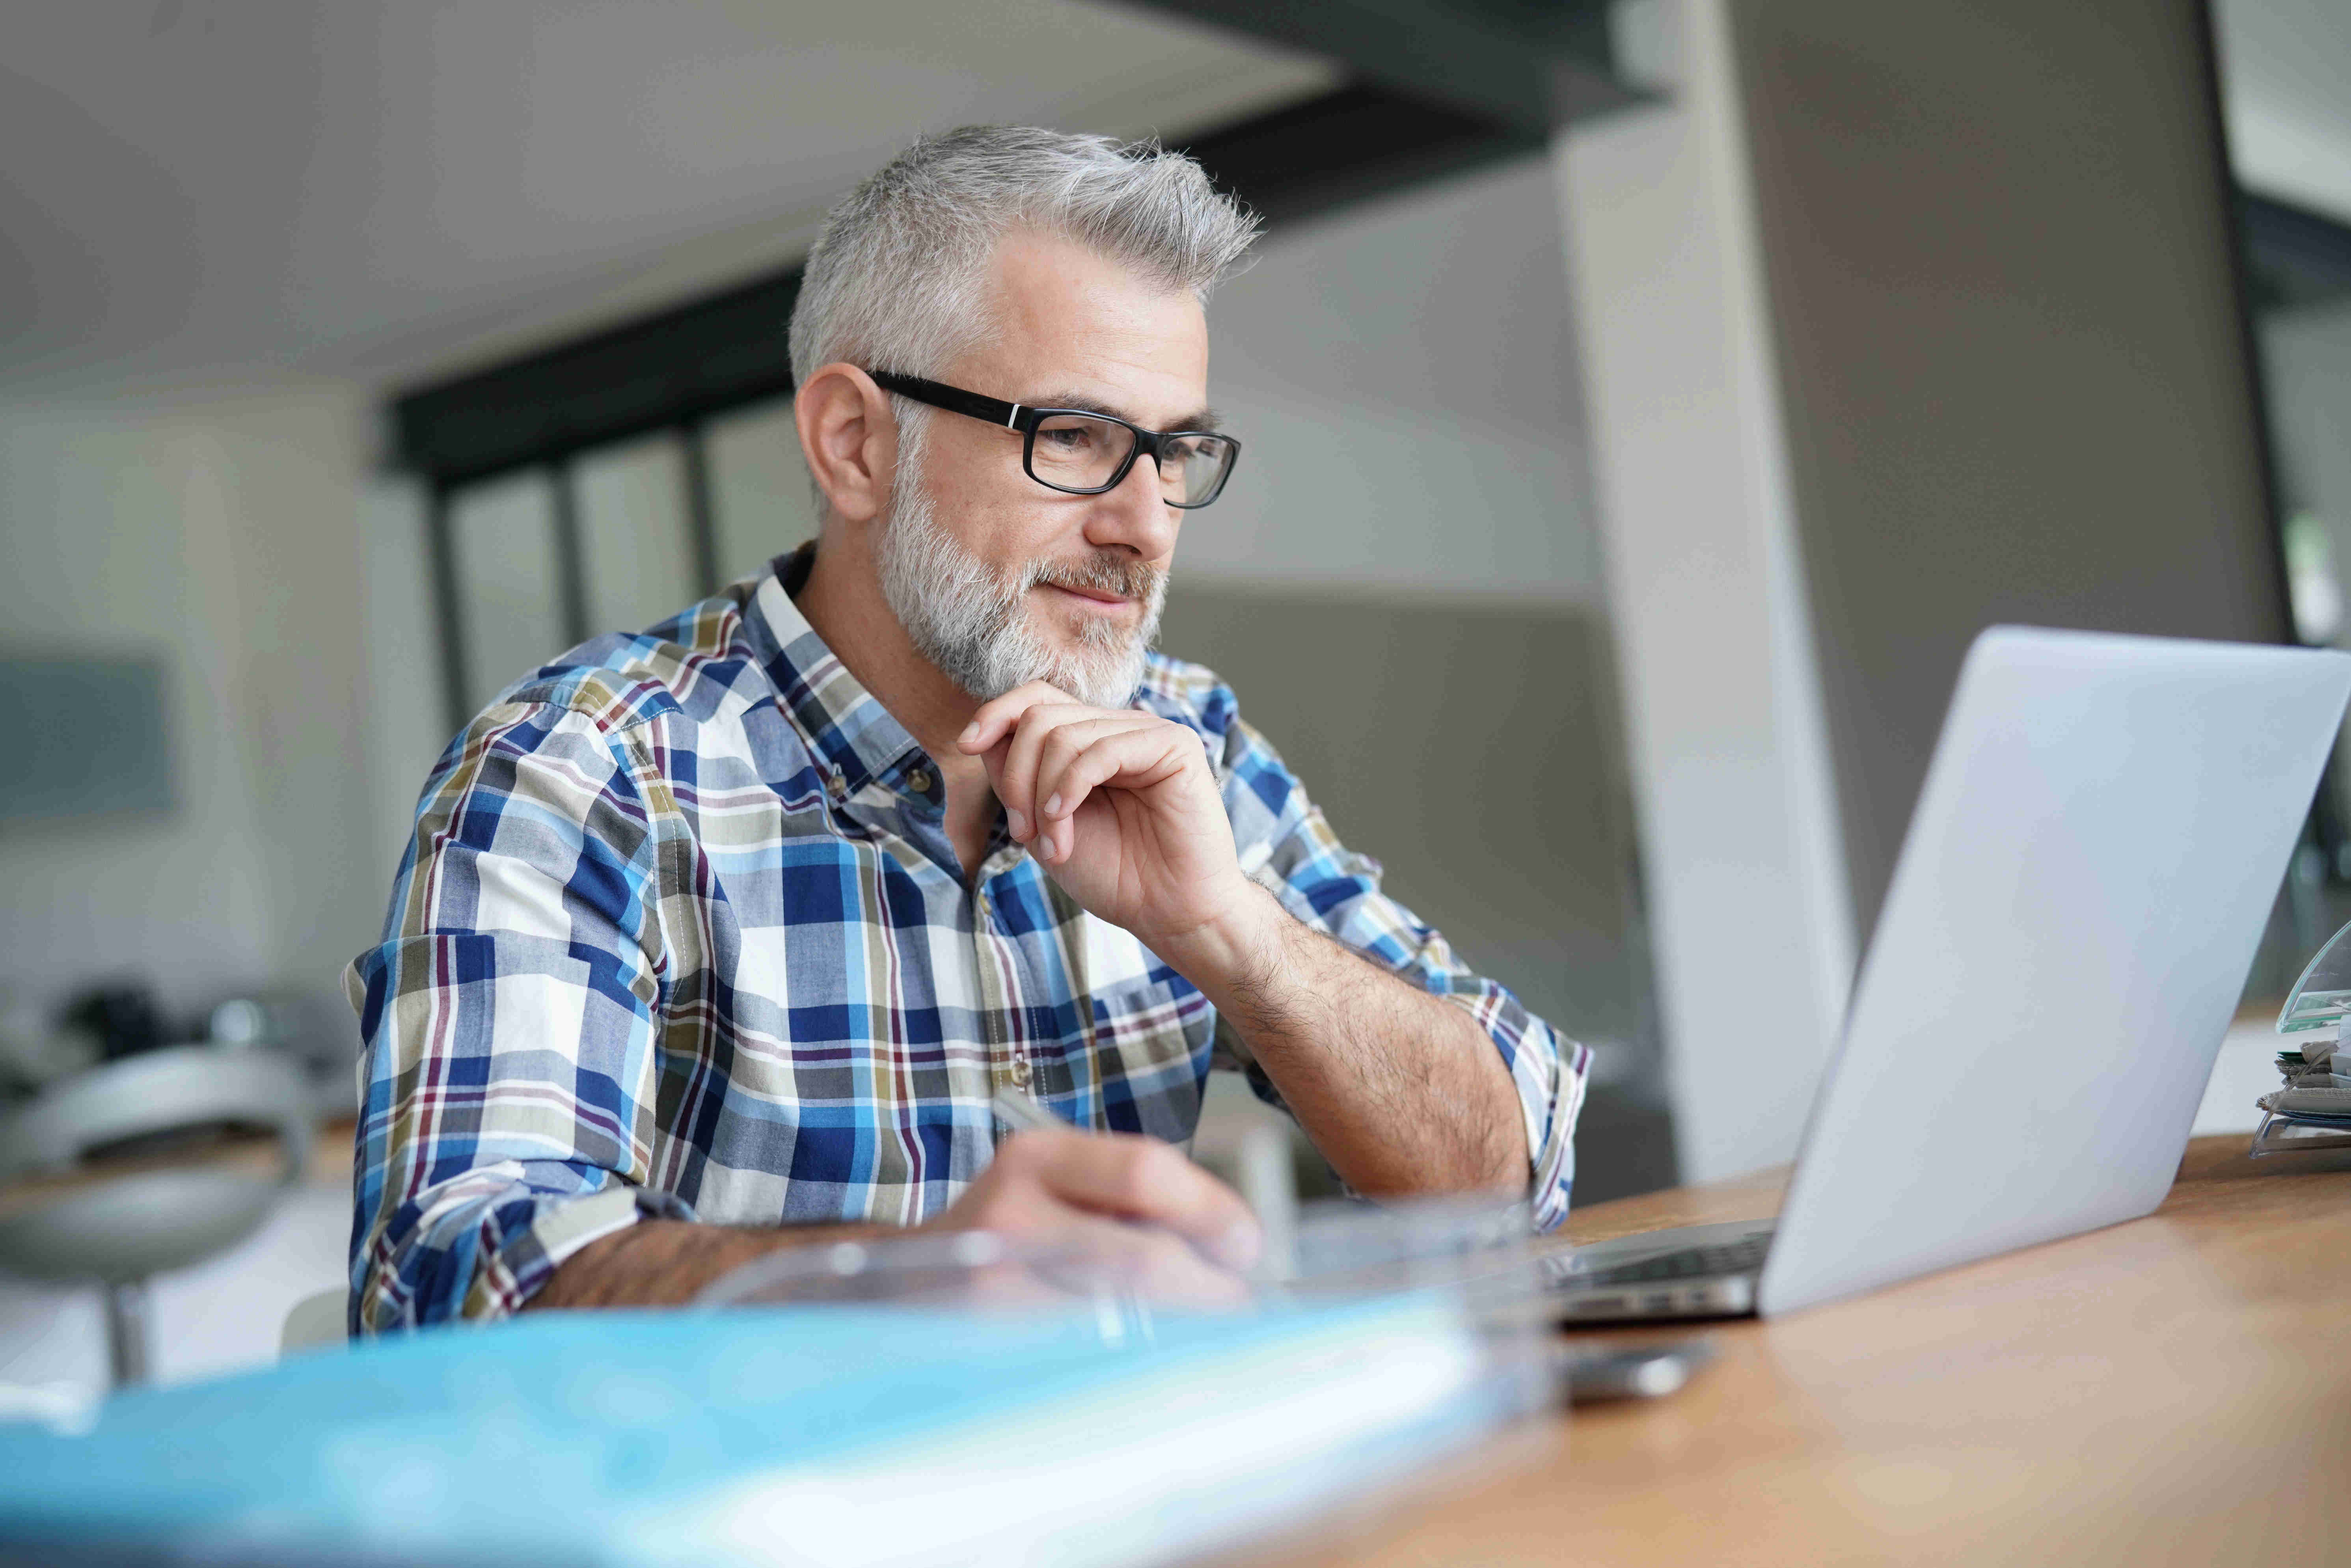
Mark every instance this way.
x=2002 y=263
x=1898 y=321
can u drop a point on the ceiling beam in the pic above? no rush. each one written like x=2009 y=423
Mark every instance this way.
x=689 y=361
x=1531 y=65
x=1349 y=146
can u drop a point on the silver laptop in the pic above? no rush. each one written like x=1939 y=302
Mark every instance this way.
x=2093 y=859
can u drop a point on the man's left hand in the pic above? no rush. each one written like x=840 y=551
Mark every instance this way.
x=1121 y=808
x=1402 y=1091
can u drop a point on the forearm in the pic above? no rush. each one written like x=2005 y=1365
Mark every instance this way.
x=667 y=1263
x=1401 y=1090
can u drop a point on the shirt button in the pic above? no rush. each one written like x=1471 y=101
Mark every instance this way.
x=838 y=783
x=919 y=781
x=1020 y=1072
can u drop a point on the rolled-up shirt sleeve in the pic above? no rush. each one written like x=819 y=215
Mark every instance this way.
x=1287 y=847
x=511 y=1025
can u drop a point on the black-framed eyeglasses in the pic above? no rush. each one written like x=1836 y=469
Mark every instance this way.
x=1081 y=453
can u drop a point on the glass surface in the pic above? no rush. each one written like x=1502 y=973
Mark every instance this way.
x=509 y=593
x=1476 y=1253
x=635 y=538
x=2322 y=998
x=1078 y=453
x=1199 y=463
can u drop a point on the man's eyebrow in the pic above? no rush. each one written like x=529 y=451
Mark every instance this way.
x=1200 y=419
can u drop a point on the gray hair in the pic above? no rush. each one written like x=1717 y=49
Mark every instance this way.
x=898 y=279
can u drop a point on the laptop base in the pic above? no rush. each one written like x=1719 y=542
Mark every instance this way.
x=1688 y=1272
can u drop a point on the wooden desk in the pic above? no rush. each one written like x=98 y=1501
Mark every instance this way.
x=2173 y=1390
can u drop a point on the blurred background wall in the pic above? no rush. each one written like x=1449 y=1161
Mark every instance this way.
x=222 y=532
x=2012 y=348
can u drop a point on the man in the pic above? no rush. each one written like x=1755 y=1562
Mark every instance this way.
x=720 y=938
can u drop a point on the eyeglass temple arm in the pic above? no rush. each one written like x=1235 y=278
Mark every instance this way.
x=955 y=400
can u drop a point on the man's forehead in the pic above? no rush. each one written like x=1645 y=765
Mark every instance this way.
x=1075 y=328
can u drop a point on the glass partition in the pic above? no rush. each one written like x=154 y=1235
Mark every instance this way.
x=508 y=582
x=636 y=539
x=762 y=505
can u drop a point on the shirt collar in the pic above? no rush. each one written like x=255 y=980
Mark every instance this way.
x=847 y=729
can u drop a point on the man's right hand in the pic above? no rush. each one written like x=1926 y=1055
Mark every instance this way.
x=1091 y=1203
x=1134 y=1205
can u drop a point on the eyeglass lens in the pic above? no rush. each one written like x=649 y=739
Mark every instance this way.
x=1076 y=452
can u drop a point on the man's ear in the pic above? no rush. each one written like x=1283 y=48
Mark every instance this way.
x=849 y=438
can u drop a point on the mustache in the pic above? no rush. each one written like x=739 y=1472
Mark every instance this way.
x=1122 y=575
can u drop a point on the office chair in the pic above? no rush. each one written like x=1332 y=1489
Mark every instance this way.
x=121 y=1231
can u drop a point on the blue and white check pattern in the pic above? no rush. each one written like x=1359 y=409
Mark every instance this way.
x=680 y=932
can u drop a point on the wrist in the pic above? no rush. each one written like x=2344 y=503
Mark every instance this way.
x=1238 y=939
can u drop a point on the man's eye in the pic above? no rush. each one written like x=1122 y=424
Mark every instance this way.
x=1068 y=438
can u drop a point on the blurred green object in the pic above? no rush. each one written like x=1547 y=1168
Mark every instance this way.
x=88 y=737
x=2322 y=998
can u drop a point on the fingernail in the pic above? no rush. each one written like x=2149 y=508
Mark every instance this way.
x=970 y=732
x=1053 y=805
x=1018 y=822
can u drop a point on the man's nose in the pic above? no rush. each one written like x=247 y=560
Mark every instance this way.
x=1135 y=514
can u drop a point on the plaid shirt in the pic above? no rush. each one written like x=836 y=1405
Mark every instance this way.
x=681 y=933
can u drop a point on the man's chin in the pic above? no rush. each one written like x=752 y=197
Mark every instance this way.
x=1061 y=623
x=1087 y=669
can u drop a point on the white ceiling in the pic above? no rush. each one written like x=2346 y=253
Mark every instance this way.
x=204 y=189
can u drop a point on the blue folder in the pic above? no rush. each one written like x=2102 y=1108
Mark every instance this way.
x=769 y=1435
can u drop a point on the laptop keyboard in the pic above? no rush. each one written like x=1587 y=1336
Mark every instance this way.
x=1690 y=1262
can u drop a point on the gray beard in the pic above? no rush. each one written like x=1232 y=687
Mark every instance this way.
x=972 y=621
